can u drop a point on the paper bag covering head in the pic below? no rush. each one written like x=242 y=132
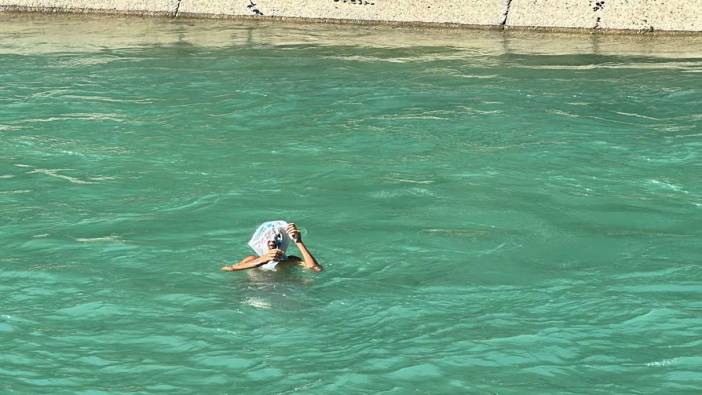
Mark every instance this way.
x=272 y=230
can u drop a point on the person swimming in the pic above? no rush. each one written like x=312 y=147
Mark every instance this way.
x=270 y=242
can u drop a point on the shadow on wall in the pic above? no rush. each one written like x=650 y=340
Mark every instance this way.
x=252 y=6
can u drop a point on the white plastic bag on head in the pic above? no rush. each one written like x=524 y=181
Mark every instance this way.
x=267 y=231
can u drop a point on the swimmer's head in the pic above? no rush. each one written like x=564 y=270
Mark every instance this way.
x=270 y=235
x=276 y=243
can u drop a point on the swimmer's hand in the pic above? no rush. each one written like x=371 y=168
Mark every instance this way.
x=294 y=233
x=272 y=255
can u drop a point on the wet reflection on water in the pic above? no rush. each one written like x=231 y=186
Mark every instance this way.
x=36 y=33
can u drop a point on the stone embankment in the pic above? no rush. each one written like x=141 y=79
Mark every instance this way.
x=556 y=15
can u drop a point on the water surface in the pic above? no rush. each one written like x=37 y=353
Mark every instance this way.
x=497 y=212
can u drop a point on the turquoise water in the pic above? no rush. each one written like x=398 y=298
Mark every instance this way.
x=496 y=213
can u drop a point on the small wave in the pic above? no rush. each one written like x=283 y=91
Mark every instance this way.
x=676 y=128
x=15 y=191
x=664 y=362
x=406 y=117
x=107 y=99
x=670 y=159
x=636 y=115
x=472 y=110
x=84 y=61
x=559 y=112
x=402 y=59
x=412 y=181
x=112 y=238
x=385 y=194
x=77 y=116
x=197 y=204
x=686 y=66
x=666 y=185
x=48 y=266
x=49 y=93
x=492 y=250
x=54 y=173
x=476 y=76
x=258 y=303
x=458 y=232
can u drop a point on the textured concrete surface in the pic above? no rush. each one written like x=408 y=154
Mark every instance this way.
x=674 y=15
x=115 y=6
x=639 y=15
x=584 y=15
x=475 y=12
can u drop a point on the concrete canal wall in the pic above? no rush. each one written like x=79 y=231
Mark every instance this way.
x=560 y=15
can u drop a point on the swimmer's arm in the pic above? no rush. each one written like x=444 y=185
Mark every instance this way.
x=308 y=260
x=249 y=262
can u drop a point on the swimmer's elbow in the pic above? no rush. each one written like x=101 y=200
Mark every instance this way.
x=314 y=266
